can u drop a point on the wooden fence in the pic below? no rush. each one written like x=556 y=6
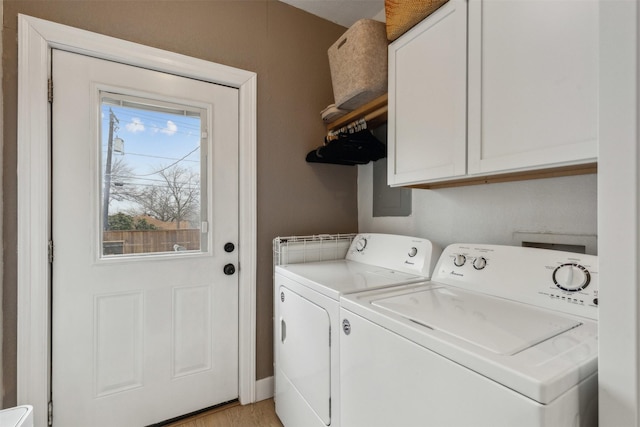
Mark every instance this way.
x=118 y=242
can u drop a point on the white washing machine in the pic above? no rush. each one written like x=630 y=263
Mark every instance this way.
x=501 y=336
x=307 y=322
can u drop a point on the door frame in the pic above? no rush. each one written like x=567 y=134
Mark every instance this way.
x=36 y=38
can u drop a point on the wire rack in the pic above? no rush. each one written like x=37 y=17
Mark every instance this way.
x=320 y=247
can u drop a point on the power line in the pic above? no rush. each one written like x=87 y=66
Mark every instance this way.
x=131 y=178
x=172 y=164
x=165 y=158
x=166 y=187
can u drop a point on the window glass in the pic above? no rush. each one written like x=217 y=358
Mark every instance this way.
x=153 y=197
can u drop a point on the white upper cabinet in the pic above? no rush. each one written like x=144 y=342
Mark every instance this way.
x=513 y=88
x=533 y=84
x=427 y=98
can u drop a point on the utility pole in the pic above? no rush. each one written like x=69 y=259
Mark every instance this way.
x=113 y=126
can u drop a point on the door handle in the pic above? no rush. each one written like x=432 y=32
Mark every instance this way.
x=229 y=269
x=283 y=330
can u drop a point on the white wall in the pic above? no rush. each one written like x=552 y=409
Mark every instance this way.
x=488 y=213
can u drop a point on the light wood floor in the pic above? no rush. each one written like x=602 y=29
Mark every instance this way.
x=260 y=414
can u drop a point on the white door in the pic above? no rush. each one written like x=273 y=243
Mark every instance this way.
x=145 y=320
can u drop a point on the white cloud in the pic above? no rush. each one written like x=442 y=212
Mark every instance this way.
x=135 y=125
x=170 y=129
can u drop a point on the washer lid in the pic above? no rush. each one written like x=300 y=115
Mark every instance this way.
x=339 y=277
x=498 y=325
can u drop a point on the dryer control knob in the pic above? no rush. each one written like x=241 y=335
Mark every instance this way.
x=459 y=260
x=479 y=263
x=361 y=243
x=571 y=277
x=413 y=252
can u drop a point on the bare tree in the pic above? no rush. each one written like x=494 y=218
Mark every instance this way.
x=176 y=198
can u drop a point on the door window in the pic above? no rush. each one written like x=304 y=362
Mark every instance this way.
x=153 y=176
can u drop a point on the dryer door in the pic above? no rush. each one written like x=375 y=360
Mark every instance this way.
x=305 y=351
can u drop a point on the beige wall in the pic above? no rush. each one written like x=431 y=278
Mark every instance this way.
x=286 y=48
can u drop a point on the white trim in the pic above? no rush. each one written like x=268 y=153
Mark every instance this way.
x=619 y=214
x=36 y=38
x=264 y=389
x=2 y=393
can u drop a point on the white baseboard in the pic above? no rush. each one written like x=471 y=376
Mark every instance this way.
x=264 y=389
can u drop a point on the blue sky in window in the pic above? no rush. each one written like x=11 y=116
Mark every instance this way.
x=153 y=141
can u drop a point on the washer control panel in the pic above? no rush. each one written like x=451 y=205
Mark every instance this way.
x=558 y=280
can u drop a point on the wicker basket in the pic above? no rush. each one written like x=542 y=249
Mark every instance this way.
x=401 y=15
x=358 y=62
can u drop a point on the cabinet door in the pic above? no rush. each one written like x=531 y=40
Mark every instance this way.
x=427 y=99
x=533 y=84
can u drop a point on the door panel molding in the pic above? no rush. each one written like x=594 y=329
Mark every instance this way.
x=36 y=39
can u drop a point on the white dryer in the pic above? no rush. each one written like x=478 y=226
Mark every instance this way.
x=307 y=319
x=19 y=416
x=501 y=336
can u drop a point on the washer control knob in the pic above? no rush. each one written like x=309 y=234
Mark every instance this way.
x=413 y=252
x=459 y=260
x=361 y=243
x=571 y=277
x=479 y=263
